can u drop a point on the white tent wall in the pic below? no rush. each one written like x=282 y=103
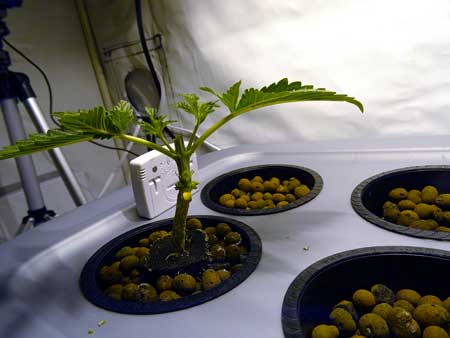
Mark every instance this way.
x=49 y=32
x=392 y=55
x=116 y=33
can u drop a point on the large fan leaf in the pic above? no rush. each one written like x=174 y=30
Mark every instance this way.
x=99 y=123
x=39 y=142
x=276 y=93
x=230 y=97
x=84 y=125
x=98 y=120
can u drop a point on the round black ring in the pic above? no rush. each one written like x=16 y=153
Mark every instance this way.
x=90 y=285
x=262 y=170
x=290 y=317
x=360 y=208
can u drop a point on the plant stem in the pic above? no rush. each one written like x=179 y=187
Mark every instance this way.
x=192 y=138
x=184 y=186
x=209 y=131
x=164 y=140
x=148 y=144
x=179 y=222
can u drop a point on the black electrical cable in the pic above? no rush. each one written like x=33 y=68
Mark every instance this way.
x=144 y=44
x=47 y=82
x=50 y=95
x=148 y=59
x=114 y=148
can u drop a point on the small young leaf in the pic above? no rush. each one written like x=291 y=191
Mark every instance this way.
x=156 y=123
x=192 y=105
x=121 y=115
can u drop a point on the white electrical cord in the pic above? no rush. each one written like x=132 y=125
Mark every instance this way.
x=187 y=132
x=122 y=159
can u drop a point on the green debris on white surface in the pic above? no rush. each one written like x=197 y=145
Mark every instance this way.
x=101 y=323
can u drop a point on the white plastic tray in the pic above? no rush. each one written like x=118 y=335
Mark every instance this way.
x=39 y=294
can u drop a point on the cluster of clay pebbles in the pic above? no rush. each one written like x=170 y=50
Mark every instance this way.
x=257 y=193
x=425 y=209
x=125 y=279
x=381 y=313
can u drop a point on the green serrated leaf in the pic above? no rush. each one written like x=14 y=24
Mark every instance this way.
x=280 y=86
x=276 y=93
x=284 y=92
x=209 y=90
x=231 y=96
x=95 y=120
x=98 y=120
x=41 y=142
x=121 y=116
x=191 y=103
x=194 y=106
x=156 y=123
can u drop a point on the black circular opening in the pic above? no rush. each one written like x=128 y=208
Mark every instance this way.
x=312 y=295
x=92 y=288
x=368 y=197
x=225 y=183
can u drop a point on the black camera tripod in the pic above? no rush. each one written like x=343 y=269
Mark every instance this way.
x=13 y=87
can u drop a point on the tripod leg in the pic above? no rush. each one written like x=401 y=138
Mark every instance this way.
x=25 y=164
x=56 y=154
x=28 y=98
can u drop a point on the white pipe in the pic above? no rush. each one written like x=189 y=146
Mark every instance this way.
x=187 y=132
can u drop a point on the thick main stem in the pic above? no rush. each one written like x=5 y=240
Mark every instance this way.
x=179 y=222
x=184 y=186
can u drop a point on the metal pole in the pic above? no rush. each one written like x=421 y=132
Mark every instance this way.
x=9 y=89
x=25 y=164
x=56 y=154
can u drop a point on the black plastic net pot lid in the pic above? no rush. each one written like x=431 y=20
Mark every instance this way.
x=368 y=197
x=313 y=293
x=93 y=291
x=225 y=183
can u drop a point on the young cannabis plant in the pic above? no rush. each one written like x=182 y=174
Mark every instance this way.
x=100 y=123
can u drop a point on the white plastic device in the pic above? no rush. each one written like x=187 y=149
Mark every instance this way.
x=153 y=178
